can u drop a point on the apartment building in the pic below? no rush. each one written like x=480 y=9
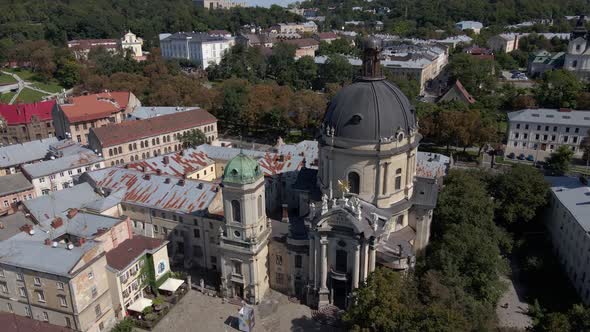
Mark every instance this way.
x=26 y=122
x=130 y=264
x=74 y=118
x=304 y=46
x=13 y=156
x=568 y=222
x=55 y=271
x=137 y=140
x=539 y=132
x=14 y=188
x=199 y=47
x=190 y=164
x=219 y=4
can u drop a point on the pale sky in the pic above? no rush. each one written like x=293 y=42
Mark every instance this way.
x=268 y=3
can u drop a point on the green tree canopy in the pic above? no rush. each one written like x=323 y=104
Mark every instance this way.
x=559 y=88
x=560 y=160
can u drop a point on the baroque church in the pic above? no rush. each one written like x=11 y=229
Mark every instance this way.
x=577 y=57
x=362 y=207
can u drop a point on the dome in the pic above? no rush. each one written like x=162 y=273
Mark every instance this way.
x=242 y=170
x=369 y=111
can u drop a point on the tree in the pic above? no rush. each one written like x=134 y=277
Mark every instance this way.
x=519 y=194
x=281 y=64
x=560 y=160
x=337 y=69
x=559 y=88
x=126 y=325
x=477 y=75
x=307 y=72
x=193 y=138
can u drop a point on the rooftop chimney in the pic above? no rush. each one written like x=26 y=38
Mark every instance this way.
x=167 y=180
x=166 y=160
x=147 y=177
x=27 y=229
x=159 y=171
x=58 y=222
x=181 y=182
x=72 y=213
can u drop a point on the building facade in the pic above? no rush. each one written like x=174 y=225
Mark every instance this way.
x=14 y=188
x=137 y=140
x=539 y=132
x=133 y=44
x=21 y=123
x=198 y=47
x=577 y=57
x=76 y=116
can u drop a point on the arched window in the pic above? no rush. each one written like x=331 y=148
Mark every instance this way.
x=398 y=179
x=260 y=212
x=575 y=63
x=354 y=182
x=120 y=150
x=235 y=211
x=399 y=223
x=141 y=144
x=110 y=152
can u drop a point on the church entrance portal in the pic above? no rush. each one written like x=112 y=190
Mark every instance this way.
x=339 y=293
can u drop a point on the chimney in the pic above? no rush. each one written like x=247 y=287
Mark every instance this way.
x=27 y=229
x=58 y=222
x=166 y=160
x=72 y=213
x=159 y=171
x=147 y=177
x=200 y=186
x=181 y=152
x=281 y=158
x=167 y=180
x=80 y=242
x=181 y=182
x=47 y=242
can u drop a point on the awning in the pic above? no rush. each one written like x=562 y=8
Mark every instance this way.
x=171 y=285
x=140 y=304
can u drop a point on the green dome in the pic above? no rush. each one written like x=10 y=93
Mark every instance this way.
x=242 y=169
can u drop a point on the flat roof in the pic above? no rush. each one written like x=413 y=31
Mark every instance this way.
x=53 y=166
x=146 y=112
x=551 y=116
x=574 y=196
x=47 y=206
x=14 y=183
x=17 y=154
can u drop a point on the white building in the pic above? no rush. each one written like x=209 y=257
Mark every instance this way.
x=568 y=222
x=577 y=57
x=198 y=47
x=132 y=43
x=538 y=132
x=469 y=25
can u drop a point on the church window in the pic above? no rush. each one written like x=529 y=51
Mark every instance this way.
x=399 y=222
x=235 y=210
x=298 y=261
x=398 y=179
x=354 y=182
x=237 y=267
x=260 y=212
x=575 y=62
x=279 y=260
x=341 y=260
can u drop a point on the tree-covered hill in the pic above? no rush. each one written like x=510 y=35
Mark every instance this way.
x=62 y=20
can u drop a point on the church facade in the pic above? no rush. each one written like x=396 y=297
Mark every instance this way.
x=577 y=57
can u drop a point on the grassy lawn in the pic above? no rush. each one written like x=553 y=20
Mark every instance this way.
x=6 y=97
x=24 y=74
x=6 y=79
x=30 y=96
x=52 y=87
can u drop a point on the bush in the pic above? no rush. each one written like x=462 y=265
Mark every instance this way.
x=126 y=325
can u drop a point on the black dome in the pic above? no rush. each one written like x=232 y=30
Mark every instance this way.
x=369 y=110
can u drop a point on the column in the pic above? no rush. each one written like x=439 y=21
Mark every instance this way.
x=372 y=255
x=365 y=260
x=324 y=262
x=362 y=262
x=356 y=266
x=311 y=259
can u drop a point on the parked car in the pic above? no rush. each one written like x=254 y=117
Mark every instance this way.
x=530 y=157
x=511 y=155
x=521 y=156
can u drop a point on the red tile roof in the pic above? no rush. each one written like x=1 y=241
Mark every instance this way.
x=125 y=253
x=128 y=131
x=468 y=97
x=16 y=323
x=303 y=42
x=96 y=106
x=23 y=113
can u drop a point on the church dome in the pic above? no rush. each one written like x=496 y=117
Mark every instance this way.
x=369 y=110
x=242 y=170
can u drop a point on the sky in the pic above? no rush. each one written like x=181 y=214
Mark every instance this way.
x=268 y=3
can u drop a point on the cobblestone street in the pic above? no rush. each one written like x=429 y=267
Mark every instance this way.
x=197 y=312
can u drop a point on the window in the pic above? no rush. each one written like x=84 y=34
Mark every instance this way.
x=341 y=260
x=197 y=233
x=354 y=182
x=45 y=316
x=37 y=281
x=68 y=322
x=3 y=288
x=279 y=260
x=575 y=139
x=6 y=204
x=537 y=136
x=94 y=292
x=260 y=212
x=236 y=211
x=19 y=276
x=567 y=129
x=213 y=260
x=40 y=295
x=298 y=261
x=515 y=135
x=22 y=292
x=280 y=278
x=120 y=150
x=9 y=306
x=575 y=62
x=398 y=179
x=197 y=251
x=577 y=130
x=237 y=267
x=526 y=127
x=2 y=273
x=97 y=310
x=539 y=127
x=41 y=179
x=554 y=128
x=101 y=326
x=90 y=275
x=155 y=228
x=28 y=311
x=546 y=128
x=60 y=285
x=518 y=126
x=565 y=138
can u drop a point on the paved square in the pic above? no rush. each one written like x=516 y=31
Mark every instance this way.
x=197 y=312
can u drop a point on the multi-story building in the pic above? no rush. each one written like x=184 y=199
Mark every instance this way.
x=536 y=133
x=305 y=46
x=81 y=47
x=577 y=57
x=469 y=25
x=26 y=122
x=219 y=4
x=14 y=188
x=133 y=44
x=199 y=47
x=74 y=118
x=190 y=164
x=543 y=61
x=15 y=323
x=129 y=265
x=510 y=41
x=57 y=174
x=146 y=112
x=567 y=220
x=12 y=157
x=56 y=271
x=128 y=141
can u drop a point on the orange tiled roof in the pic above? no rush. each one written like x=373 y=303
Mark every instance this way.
x=95 y=106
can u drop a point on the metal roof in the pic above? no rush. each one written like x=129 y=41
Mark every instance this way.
x=48 y=167
x=551 y=116
x=14 y=183
x=48 y=206
x=146 y=112
x=17 y=154
x=176 y=164
x=574 y=196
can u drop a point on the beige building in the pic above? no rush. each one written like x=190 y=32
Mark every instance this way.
x=219 y=4
x=21 y=123
x=129 y=141
x=14 y=188
x=131 y=266
x=56 y=271
x=133 y=44
x=78 y=115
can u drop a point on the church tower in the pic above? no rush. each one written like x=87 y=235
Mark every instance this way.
x=244 y=243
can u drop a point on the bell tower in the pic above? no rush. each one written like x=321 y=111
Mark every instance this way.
x=244 y=243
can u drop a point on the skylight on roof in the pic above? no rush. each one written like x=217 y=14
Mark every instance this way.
x=535 y=115
x=549 y=115
x=566 y=116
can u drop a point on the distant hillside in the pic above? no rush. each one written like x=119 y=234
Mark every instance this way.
x=61 y=20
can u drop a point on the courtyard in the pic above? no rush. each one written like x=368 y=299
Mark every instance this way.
x=198 y=312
